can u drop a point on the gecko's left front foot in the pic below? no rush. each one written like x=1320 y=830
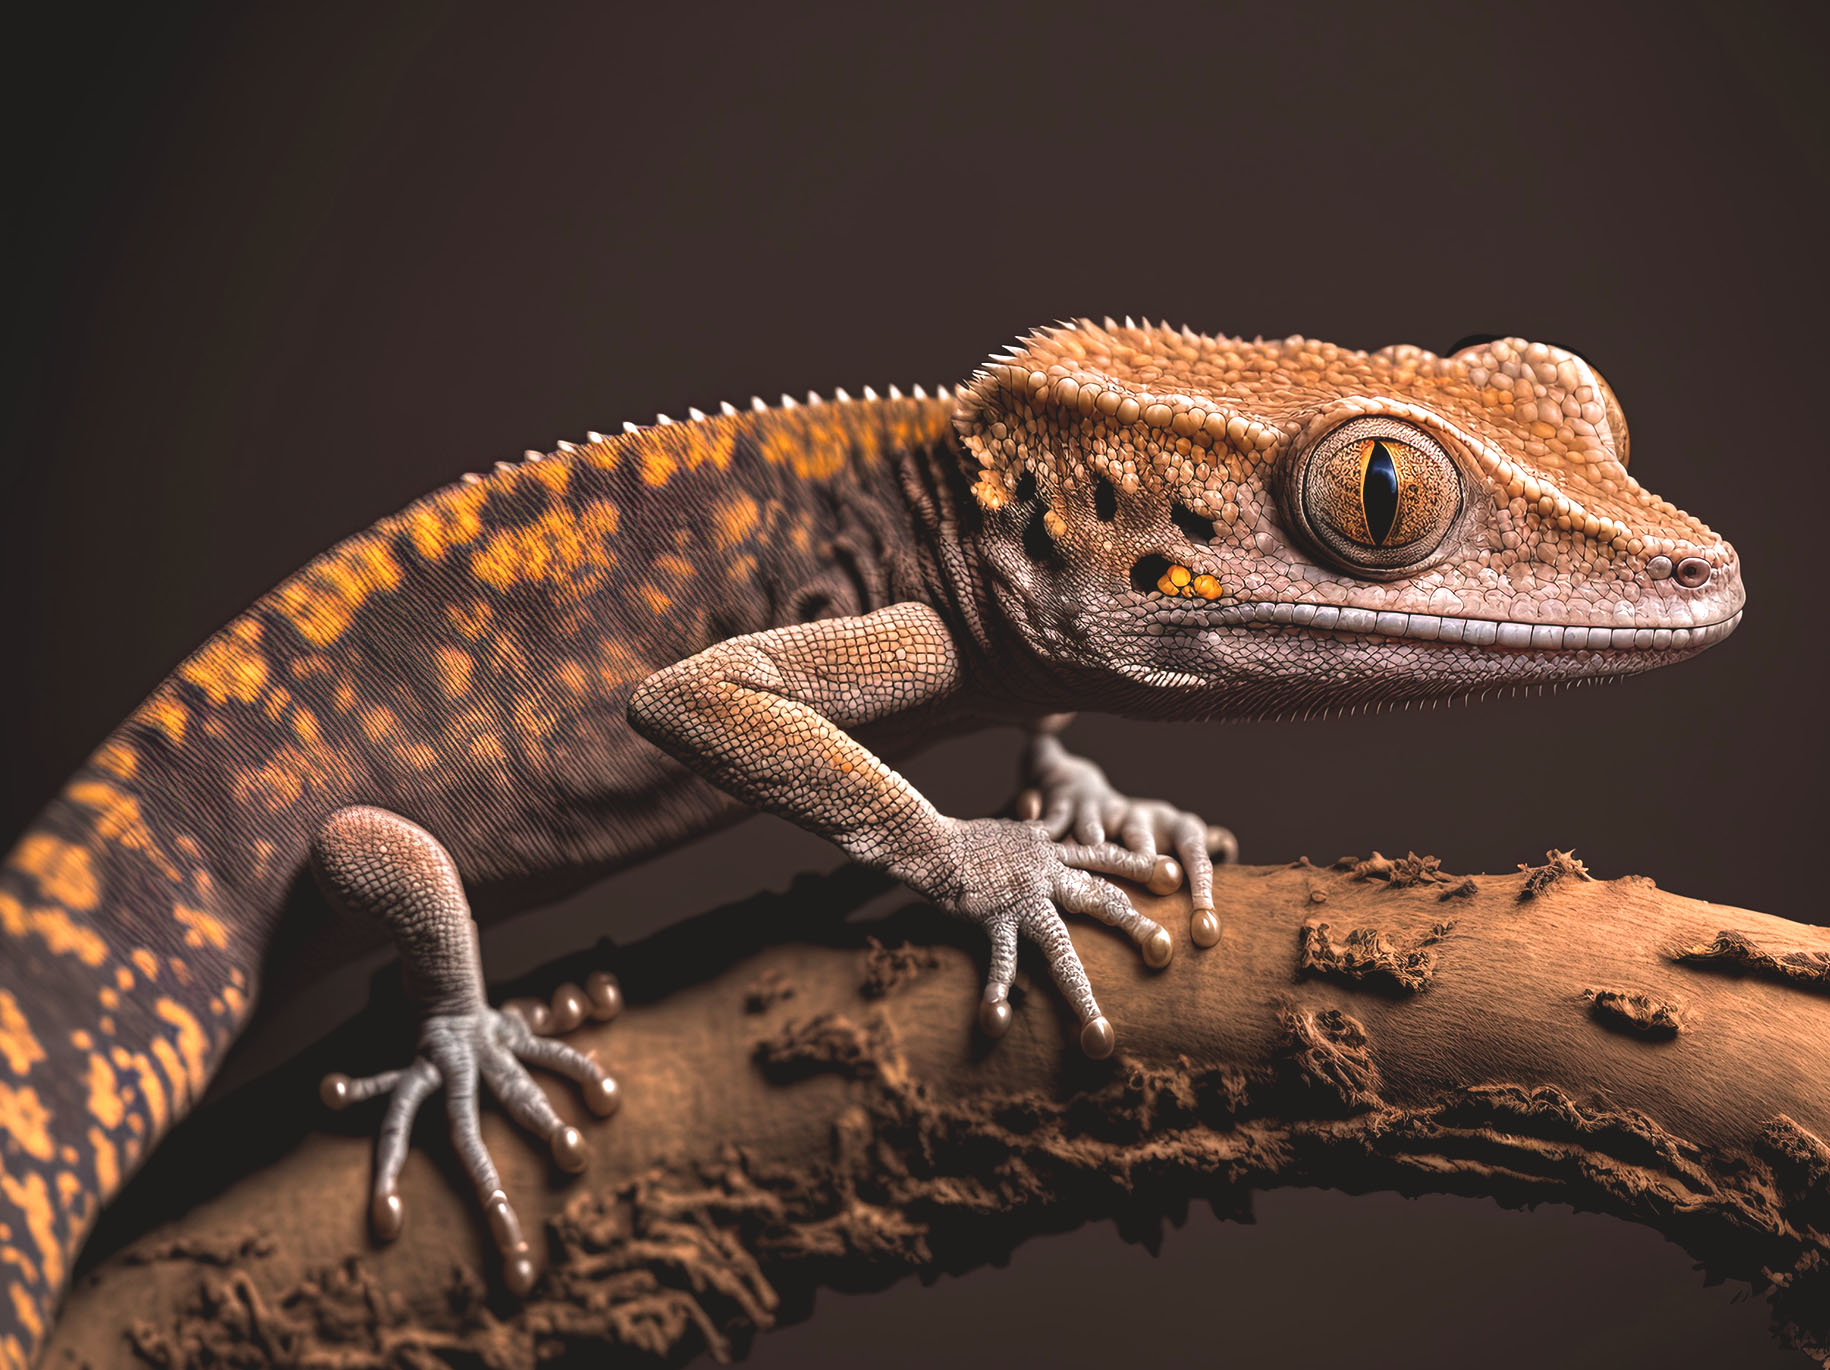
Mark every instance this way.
x=379 y=863
x=1071 y=795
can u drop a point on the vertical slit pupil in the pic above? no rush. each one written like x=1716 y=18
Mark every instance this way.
x=1379 y=493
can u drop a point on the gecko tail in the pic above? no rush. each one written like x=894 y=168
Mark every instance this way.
x=123 y=980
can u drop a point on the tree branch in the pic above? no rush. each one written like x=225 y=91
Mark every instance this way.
x=817 y=1111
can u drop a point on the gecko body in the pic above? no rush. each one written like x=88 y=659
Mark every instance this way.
x=531 y=678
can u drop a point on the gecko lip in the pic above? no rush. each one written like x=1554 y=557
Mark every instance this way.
x=1471 y=632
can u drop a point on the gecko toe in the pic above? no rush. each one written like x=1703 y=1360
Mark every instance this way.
x=1097 y=1038
x=569 y=1007
x=1204 y=927
x=605 y=994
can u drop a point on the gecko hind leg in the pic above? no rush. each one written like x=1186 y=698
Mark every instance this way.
x=377 y=863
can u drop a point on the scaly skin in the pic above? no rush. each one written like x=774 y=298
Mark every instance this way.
x=1128 y=519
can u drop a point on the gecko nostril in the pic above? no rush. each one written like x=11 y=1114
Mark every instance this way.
x=1692 y=572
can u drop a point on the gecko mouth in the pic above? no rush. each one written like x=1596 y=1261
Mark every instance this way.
x=1470 y=632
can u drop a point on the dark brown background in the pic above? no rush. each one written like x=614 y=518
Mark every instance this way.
x=271 y=275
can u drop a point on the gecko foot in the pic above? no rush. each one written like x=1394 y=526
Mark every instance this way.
x=1015 y=881
x=455 y=1049
x=1071 y=795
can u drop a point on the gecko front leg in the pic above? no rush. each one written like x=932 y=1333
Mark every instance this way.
x=1071 y=795
x=377 y=863
x=765 y=717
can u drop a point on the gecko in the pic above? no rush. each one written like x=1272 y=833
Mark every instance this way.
x=538 y=675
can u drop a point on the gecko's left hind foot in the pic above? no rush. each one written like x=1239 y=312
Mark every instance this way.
x=379 y=863
x=455 y=1050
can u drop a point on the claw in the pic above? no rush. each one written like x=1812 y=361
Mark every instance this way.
x=569 y=1007
x=537 y=1016
x=1158 y=948
x=517 y=1259
x=1165 y=876
x=387 y=1215
x=334 y=1090
x=1204 y=928
x=1222 y=845
x=994 y=1012
x=605 y=994
x=602 y=1096
x=568 y=1147
x=1097 y=1038
x=1028 y=807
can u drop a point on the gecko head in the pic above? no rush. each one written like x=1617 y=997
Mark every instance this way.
x=1204 y=526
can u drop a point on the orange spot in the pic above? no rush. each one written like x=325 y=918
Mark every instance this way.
x=107 y=1167
x=556 y=548
x=230 y=665
x=117 y=758
x=70 y=1190
x=163 y=712
x=62 y=869
x=118 y=819
x=54 y=928
x=305 y=726
x=233 y=1001
x=167 y=1056
x=193 y=1042
x=17 y=1042
x=28 y=1319
x=322 y=599
x=105 y=1103
x=416 y=756
x=735 y=520
x=666 y=451
x=146 y=961
x=488 y=749
x=287 y=775
x=201 y=928
x=807 y=441
x=450 y=518
x=454 y=667
x=572 y=676
x=378 y=721
x=23 y=1116
x=656 y=600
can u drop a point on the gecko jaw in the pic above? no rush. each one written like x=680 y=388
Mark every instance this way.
x=1504 y=635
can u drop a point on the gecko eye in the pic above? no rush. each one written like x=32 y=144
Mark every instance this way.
x=1379 y=495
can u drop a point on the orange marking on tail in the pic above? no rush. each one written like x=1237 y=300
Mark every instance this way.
x=201 y=928
x=454 y=668
x=17 y=1043
x=107 y=1166
x=555 y=549
x=32 y=1197
x=105 y=1103
x=118 y=819
x=28 y=1319
x=193 y=1042
x=322 y=600
x=23 y=1116
x=735 y=520
x=666 y=451
x=450 y=518
x=163 y=712
x=62 y=869
x=54 y=927
x=230 y=665
x=146 y=961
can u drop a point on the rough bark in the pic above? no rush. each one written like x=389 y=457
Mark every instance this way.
x=818 y=1111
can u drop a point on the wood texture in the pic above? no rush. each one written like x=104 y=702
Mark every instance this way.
x=817 y=1111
